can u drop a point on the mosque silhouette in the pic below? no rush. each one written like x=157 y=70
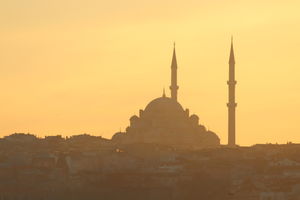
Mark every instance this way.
x=165 y=122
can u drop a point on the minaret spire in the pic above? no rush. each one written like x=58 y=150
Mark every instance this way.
x=231 y=57
x=231 y=98
x=174 y=87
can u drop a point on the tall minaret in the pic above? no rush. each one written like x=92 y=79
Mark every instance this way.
x=231 y=98
x=174 y=87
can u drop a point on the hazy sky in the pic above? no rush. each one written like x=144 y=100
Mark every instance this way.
x=71 y=67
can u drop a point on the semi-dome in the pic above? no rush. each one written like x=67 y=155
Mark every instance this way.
x=163 y=104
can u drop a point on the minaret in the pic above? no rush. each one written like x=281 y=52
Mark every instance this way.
x=174 y=87
x=231 y=98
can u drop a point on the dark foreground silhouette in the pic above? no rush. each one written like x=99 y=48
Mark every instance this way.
x=89 y=167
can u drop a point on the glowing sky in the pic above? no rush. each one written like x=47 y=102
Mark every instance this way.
x=71 y=67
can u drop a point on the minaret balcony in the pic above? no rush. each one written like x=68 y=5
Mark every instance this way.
x=231 y=104
x=176 y=87
x=232 y=82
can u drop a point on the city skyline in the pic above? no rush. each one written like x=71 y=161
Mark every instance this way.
x=70 y=73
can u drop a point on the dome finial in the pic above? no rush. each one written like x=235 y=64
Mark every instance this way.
x=164 y=93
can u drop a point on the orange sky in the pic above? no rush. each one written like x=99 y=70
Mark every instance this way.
x=70 y=67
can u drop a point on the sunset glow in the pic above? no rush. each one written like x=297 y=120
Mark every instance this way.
x=72 y=67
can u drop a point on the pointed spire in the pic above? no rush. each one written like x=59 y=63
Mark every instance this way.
x=231 y=57
x=174 y=60
x=164 y=93
x=174 y=87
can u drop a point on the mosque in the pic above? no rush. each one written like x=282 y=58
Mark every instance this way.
x=165 y=122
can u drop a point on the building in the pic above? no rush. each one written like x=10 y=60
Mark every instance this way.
x=164 y=121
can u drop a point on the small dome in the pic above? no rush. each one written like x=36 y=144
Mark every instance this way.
x=117 y=136
x=163 y=104
x=194 y=117
x=133 y=118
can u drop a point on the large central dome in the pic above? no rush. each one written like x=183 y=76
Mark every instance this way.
x=163 y=105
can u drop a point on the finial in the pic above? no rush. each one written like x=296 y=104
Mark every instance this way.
x=174 y=44
x=231 y=39
x=164 y=93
